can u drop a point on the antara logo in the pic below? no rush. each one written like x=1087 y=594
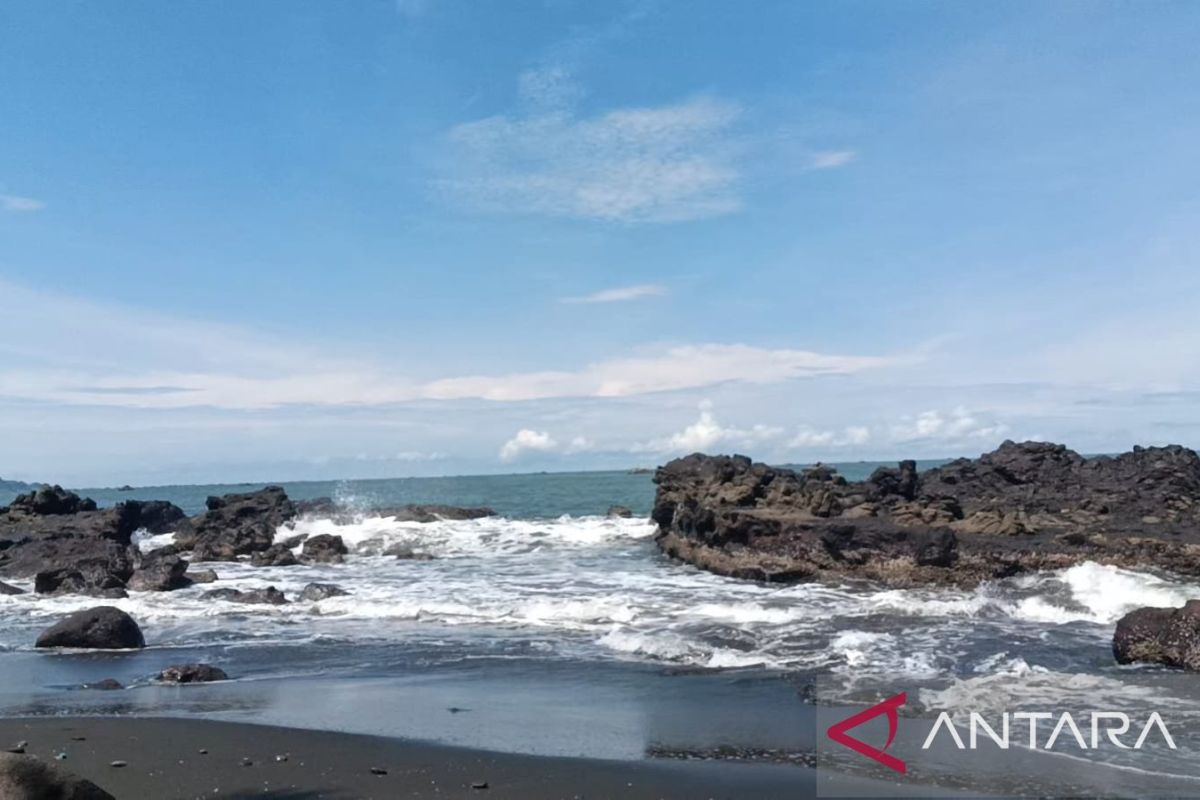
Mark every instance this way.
x=1106 y=728
x=888 y=707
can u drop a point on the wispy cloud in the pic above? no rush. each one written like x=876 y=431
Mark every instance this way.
x=851 y=436
x=831 y=159
x=16 y=203
x=657 y=164
x=93 y=354
x=955 y=425
x=619 y=294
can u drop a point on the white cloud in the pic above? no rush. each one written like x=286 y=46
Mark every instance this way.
x=831 y=159
x=853 y=435
x=12 y=202
x=526 y=440
x=958 y=424
x=658 y=164
x=619 y=294
x=707 y=434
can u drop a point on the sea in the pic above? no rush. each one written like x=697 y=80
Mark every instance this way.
x=554 y=629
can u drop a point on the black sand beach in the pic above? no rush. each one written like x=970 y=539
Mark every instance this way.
x=164 y=760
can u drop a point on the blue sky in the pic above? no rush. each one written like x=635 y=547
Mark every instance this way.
x=252 y=241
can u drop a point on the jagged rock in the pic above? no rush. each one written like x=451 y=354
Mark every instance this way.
x=25 y=777
x=268 y=596
x=619 y=511
x=277 y=555
x=7 y=589
x=324 y=548
x=157 y=516
x=1169 y=636
x=51 y=500
x=237 y=524
x=100 y=628
x=160 y=573
x=100 y=571
x=192 y=673
x=1022 y=507
x=314 y=592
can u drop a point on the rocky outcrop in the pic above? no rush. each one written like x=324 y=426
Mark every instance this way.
x=237 y=524
x=192 y=673
x=277 y=555
x=1169 y=636
x=1022 y=507
x=315 y=592
x=100 y=628
x=29 y=778
x=73 y=546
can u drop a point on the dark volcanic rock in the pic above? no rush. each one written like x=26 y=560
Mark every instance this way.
x=324 y=549
x=160 y=573
x=28 y=778
x=202 y=576
x=319 y=591
x=100 y=628
x=156 y=516
x=192 y=673
x=106 y=685
x=619 y=511
x=7 y=589
x=1169 y=636
x=1022 y=507
x=51 y=500
x=268 y=596
x=237 y=524
x=277 y=555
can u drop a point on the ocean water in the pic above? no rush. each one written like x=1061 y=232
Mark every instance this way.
x=551 y=617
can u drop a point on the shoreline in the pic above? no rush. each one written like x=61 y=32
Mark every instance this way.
x=163 y=760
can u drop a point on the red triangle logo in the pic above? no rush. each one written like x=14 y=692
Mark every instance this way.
x=838 y=733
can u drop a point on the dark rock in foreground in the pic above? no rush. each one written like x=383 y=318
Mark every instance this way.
x=1169 y=636
x=7 y=589
x=1022 y=507
x=268 y=596
x=277 y=555
x=100 y=628
x=28 y=778
x=192 y=673
x=314 y=592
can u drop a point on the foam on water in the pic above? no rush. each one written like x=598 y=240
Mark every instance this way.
x=595 y=587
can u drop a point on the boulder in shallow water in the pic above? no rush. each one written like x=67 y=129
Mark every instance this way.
x=163 y=573
x=1169 y=636
x=7 y=589
x=27 y=778
x=100 y=628
x=324 y=549
x=192 y=673
x=268 y=596
x=619 y=511
x=106 y=685
x=203 y=576
x=314 y=592
x=277 y=555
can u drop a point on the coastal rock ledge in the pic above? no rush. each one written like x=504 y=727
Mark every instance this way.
x=1023 y=507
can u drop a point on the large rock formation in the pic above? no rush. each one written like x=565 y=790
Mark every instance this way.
x=1022 y=507
x=237 y=524
x=73 y=546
